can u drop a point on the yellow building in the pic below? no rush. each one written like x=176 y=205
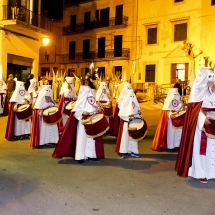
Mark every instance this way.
x=143 y=38
x=22 y=30
x=163 y=26
x=102 y=32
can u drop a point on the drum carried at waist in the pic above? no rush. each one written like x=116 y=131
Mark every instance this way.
x=95 y=125
x=137 y=129
x=51 y=115
x=24 y=112
x=68 y=107
x=178 y=119
x=209 y=128
x=107 y=108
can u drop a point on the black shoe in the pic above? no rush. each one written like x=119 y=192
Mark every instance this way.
x=94 y=160
x=21 y=137
x=81 y=161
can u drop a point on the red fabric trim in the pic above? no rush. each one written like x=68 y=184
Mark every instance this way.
x=119 y=137
x=35 y=129
x=99 y=147
x=160 y=138
x=116 y=122
x=203 y=144
x=67 y=144
x=10 y=123
x=184 y=159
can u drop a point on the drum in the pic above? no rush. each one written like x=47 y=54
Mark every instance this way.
x=68 y=107
x=137 y=129
x=51 y=115
x=178 y=119
x=95 y=125
x=24 y=112
x=107 y=108
x=209 y=129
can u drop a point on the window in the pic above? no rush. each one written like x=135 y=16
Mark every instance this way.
x=119 y=15
x=101 y=47
x=179 y=70
x=150 y=73
x=73 y=23
x=152 y=36
x=212 y=2
x=180 y=32
x=87 y=21
x=104 y=17
x=178 y=1
x=118 y=71
x=118 y=46
x=86 y=49
x=72 y=50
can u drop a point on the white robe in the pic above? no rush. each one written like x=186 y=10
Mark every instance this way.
x=48 y=133
x=173 y=135
x=202 y=166
x=21 y=127
x=127 y=145
x=2 y=107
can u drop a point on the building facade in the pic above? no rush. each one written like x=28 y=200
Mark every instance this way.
x=22 y=30
x=102 y=32
x=142 y=39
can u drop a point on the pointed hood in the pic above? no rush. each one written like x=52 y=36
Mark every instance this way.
x=200 y=88
x=19 y=93
x=42 y=102
x=172 y=100
x=129 y=105
x=100 y=95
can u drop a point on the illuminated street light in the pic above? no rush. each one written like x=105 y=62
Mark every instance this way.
x=45 y=41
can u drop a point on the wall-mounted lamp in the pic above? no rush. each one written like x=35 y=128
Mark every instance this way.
x=46 y=55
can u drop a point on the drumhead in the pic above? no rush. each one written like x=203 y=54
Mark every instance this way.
x=70 y=105
x=23 y=107
x=136 y=123
x=50 y=111
x=95 y=118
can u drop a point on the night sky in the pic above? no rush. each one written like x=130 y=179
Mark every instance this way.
x=54 y=8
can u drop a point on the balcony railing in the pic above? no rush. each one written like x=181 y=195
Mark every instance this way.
x=80 y=27
x=109 y=54
x=27 y=16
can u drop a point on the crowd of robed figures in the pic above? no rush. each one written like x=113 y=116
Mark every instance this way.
x=76 y=124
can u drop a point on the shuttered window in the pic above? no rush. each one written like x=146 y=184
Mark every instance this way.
x=180 y=32
x=150 y=73
x=152 y=36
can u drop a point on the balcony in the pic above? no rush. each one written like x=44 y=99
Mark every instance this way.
x=82 y=27
x=81 y=57
x=24 y=20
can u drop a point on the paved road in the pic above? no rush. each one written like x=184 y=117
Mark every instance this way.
x=34 y=183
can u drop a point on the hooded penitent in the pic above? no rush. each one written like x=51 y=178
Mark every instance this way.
x=19 y=93
x=86 y=101
x=100 y=94
x=198 y=93
x=129 y=105
x=44 y=97
x=68 y=87
x=172 y=101
x=200 y=89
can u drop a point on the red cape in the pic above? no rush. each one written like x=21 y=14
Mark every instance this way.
x=67 y=143
x=160 y=138
x=10 y=123
x=184 y=159
x=114 y=128
x=119 y=137
x=35 y=129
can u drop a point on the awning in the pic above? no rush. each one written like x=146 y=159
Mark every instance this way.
x=15 y=59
